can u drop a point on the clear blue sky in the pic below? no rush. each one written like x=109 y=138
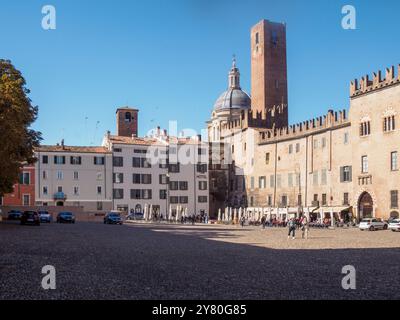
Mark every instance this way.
x=170 y=58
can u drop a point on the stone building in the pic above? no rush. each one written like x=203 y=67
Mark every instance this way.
x=341 y=164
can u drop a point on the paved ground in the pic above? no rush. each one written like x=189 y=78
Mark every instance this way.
x=144 y=261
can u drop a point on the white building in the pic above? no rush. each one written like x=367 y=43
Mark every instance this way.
x=74 y=176
x=166 y=173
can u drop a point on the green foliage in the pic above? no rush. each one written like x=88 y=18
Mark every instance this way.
x=17 y=140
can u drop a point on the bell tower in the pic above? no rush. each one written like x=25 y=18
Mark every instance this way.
x=127 y=122
x=269 y=70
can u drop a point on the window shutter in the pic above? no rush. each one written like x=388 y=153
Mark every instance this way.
x=341 y=174
x=350 y=173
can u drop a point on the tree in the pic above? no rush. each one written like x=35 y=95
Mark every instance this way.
x=17 y=139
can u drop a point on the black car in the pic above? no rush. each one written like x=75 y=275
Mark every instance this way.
x=65 y=217
x=14 y=215
x=30 y=217
x=113 y=218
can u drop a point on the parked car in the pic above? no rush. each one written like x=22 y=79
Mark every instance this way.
x=14 y=215
x=45 y=216
x=373 y=224
x=135 y=216
x=113 y=218
x=30 y=217
x=65 y=217
x=394 y=225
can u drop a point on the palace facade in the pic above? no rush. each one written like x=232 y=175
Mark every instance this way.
x=343 y=163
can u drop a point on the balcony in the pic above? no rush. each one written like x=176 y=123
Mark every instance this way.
x=60 y=196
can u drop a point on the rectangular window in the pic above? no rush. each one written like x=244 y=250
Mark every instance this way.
x=202 y=185
x=100 y=161
x=118 y=178
x=267 y=158
x=174 y=185
x=284 y=201
x=252 y=182
x=346 y=199
x=76 y=160
x=45 y=190
x=117 y=150
x=299 y=200
x=278 y=181
x=118 y=194
x=290 y=180
x=272 y=181
x=59 y=159
x=60 y=175
x=345 y=174
x=136 y=178
x=173 y=200
x=257 y=38
x=202 y=167
x=60 y=189
x=346 y=138
x=163 y=179
x=394 y=199
x=45 y=159
x=269 y=200
x=290 y=149
x=146 y=194
x=136 y=162
x=135 y=194
x=163 y=194
x=76 y=191
x=183 y=199
x=146 y=178
x=315 y=178
x=297 y=147
x=99 y=190
x=323 y=142
x=202 y=199
x=393 y=161
x=26 y=200
x=25 y=178
x=324 y=199
x=174 y=167
x=364 y=164
x=183 y=185
x=44 y=175
x=324 y=177
x=262 y=182
x=118 y=161
x=76 y=175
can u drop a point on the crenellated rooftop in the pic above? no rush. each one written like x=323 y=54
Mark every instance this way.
x=366 y=85
x=329 y=121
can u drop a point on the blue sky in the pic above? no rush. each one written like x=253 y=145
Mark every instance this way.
x=170 y=58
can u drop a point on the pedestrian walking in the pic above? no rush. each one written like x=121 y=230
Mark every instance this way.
x=305 y=228
x=292 y=228
x=242 y=221
x=263 y=221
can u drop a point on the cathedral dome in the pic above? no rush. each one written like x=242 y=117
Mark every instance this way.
x=234 y=97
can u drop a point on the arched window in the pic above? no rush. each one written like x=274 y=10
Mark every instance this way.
x=394 y=215
x=128 y=117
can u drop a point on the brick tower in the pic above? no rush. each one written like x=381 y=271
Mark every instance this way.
x=269 y=70
x=127 y=122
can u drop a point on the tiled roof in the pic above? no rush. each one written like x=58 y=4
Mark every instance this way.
x=77 y=149
x=134 y=140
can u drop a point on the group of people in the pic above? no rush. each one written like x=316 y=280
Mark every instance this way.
x=293 y=224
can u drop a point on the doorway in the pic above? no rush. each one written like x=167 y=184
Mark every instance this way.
x=365 y=206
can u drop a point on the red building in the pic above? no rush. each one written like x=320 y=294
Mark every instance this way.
x=24 y=190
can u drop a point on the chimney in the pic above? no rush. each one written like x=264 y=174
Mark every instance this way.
x=62 y=144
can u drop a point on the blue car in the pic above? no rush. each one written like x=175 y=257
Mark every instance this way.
x=14 y=215
x=113 y=218
x=45 y=216
x=65 y=217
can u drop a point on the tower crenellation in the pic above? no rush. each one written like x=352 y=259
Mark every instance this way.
x=365 y=84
